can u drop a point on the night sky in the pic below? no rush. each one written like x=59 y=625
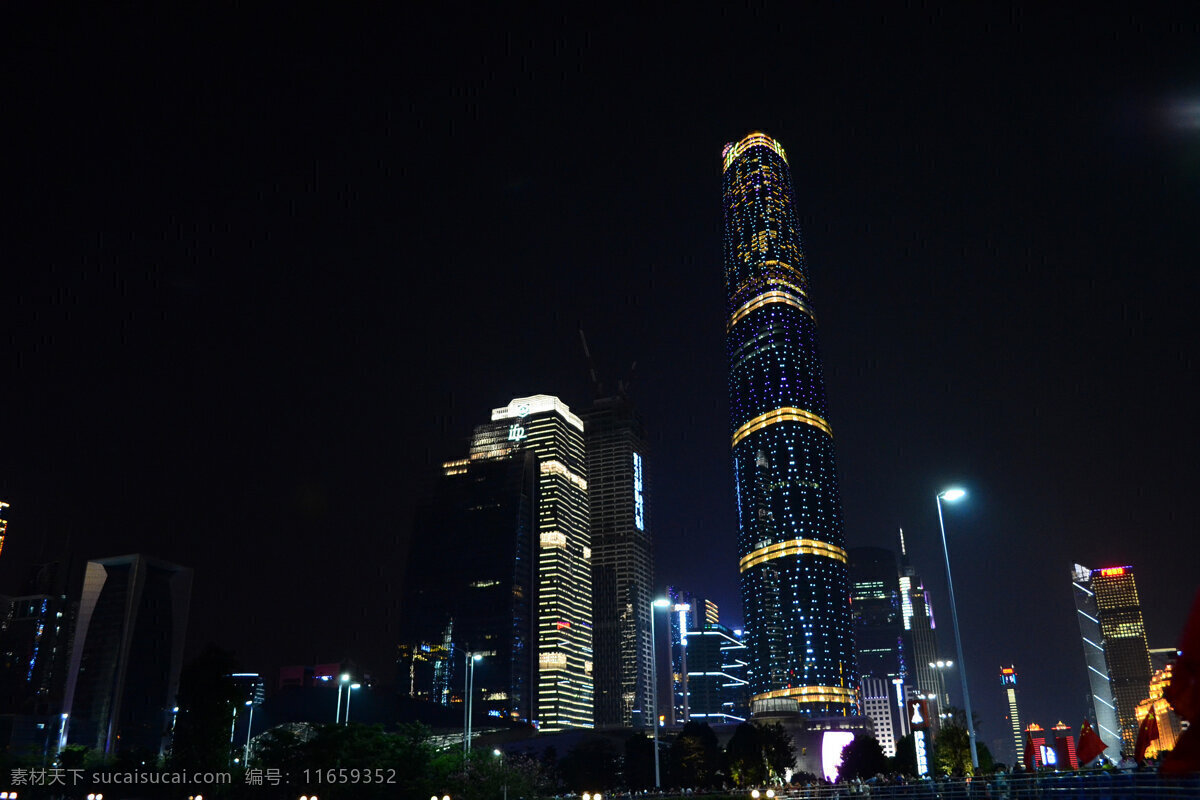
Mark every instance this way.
x=264 y=270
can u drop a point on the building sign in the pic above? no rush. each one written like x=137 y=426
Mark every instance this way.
x=516 y=432
x=918 y=720
x=639 y=504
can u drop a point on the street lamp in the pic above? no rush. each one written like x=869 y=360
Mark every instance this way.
x=341 y=682
x=249 y=727
x=469 y=660
x=950 y=496
x=349 y=689
x=661 y=602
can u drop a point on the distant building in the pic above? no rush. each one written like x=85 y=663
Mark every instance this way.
x=717 y=674
x=501 y=567
x=618 y=477
x=925 y=679
x=1008 y=679
x=877 y=616
x=471 y=587
x=127 y=654
x=791 y=543
x=1114 y=645
x=1037 y=735
x=1170 y=727
x=1064 y=746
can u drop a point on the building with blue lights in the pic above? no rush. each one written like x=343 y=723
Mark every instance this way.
x=791 y=548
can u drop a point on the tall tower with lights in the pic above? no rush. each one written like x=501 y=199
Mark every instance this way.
x=1008 y=679
x=791 y=549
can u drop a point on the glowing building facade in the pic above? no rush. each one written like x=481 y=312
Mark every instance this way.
x=792 y=556
x=1008 y=679
x=1114 y=645
x=545 y=426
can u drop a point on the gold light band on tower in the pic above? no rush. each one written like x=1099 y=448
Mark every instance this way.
x=759 y=139
x=792 y=547
x=810 y=694
x=767 y=298
x=786 y=414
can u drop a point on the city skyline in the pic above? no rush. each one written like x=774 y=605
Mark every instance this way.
x=228 y=348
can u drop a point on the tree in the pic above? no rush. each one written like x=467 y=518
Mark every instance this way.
x=695 y=756
x=778 y=750
x=952 y=747
x=744 y=762
x=863 y=758
x=905 y=760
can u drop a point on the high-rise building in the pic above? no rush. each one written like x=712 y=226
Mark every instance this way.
x=1008 y=679
x=127 y=654
x=1115 y=650
x=1169 y=725
x=791 y=548
x=622 y=562
x=513 y=523
x=716 y=684
x=3 y=524
x=534 y=443
x=470 y=587
x=876 y=612
x=926 y=668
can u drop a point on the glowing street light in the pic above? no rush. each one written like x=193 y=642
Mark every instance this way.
x=337 y=717
x=950 y=496
x=469 y=660
x=350 y=688
x=661 y=602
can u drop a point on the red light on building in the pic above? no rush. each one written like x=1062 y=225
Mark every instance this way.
x=563 y=624
x=1112 y=572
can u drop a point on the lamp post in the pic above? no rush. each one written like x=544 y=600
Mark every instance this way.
x=249 y=728
x=469 y=660
x=349 y=690
x=345 y=678
x=661 y=602
x=950 y=496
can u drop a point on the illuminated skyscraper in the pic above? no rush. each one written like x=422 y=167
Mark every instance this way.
x=790 y=541
x=920 y=633
x=622 y=561
x=545 y=426
x=1008 y=679
x=501 y=568
x=876 y=612
x=1114 y=647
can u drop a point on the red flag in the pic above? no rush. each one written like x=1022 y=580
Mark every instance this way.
x=1090 y=744
x=1147 y=733
x=1183 y=693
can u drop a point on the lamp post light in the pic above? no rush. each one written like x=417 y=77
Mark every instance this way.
x=349 y=690
x=249 y=727
x=661 y=602
x=337 y=717
x=951 y=496
x=469 y=660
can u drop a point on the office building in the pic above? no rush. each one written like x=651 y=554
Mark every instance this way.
x=500 y=567
x=791 y=549
x=127 y=655
x=716 y=675
x=877 y=701
x=1115 y=651
x=926 y=678
x=471 y=589
x=3 y=524
x=618 y=476
x=1008 y=679
x=876 y=613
